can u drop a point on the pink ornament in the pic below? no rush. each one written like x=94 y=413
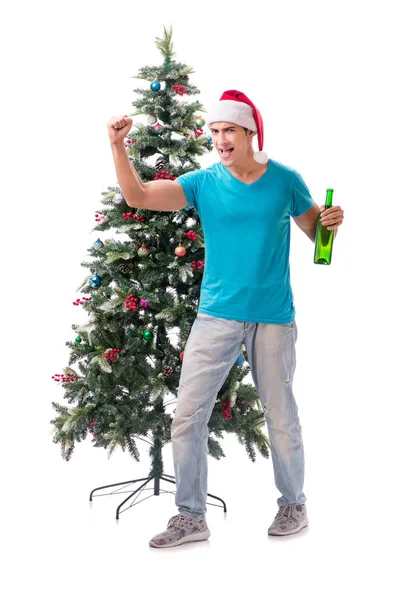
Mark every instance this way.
x=144 y=304
x=180 y=251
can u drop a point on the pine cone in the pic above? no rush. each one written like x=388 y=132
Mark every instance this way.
x=167 y=371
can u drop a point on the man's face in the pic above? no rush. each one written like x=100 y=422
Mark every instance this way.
x=231 y=142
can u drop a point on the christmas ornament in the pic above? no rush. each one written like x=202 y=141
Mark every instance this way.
x=191 y=235
x=155 y=86
x=240 y=360
x=180 y=251
x=198 y=266
x=95 y=281
x=147 y=335
x=111 y=354
x=98 y=244
x=78 y=340
x=78 y=301
x=179 y=89
x=181 y=356
x=131 y=302
x=67 y=378
x=130 y=215
x=143 y=251
x=151 y=120
x=226 y=409
x=209 y=140
x=158 y=128
x=144 y=304
x=164 y=175
x=118 y=199
x=167 y=371
x=198 y=132
x=99 y=217
x=200 y=122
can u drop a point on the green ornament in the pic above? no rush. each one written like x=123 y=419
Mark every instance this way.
x=78 y=340
x=200 y=122
x=147 y=335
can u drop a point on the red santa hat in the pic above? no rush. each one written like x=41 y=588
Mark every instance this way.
x=235 y=107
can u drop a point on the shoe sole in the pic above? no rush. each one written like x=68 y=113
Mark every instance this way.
x=301 y=526
x=194 y=537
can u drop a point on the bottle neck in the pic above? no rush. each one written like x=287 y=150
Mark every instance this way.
x=328 y=199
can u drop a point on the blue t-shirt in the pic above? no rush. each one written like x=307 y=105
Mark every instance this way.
x=247 y=238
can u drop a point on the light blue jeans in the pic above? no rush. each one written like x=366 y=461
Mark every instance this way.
x=212 y=348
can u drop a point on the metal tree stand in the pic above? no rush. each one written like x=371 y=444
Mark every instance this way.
x=155 y=491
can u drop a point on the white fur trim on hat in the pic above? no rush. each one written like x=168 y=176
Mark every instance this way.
x=232 y=112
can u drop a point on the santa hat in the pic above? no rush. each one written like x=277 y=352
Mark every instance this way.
x=235 y=107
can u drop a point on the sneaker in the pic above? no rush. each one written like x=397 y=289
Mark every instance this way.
x=181 y=529
x=289 y=519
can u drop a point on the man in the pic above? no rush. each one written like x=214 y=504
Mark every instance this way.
x=245 y=202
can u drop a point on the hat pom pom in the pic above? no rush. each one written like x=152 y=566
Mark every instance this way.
x=260 y=157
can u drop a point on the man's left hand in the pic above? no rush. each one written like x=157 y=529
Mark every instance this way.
x=332 y=217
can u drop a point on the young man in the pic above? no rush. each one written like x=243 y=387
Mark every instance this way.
x=245 y=202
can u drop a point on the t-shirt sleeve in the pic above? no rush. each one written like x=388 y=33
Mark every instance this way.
x=190 y=183
x=301 y=200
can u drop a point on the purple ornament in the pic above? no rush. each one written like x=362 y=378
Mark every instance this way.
x=144 y=304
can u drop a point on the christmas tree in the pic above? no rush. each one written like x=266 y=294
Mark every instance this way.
x=141 y=296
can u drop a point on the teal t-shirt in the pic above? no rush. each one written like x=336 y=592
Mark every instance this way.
x=247 y=238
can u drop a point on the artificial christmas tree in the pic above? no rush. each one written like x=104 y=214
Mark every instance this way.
x=144 y=286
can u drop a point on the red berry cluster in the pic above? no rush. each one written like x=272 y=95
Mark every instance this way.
x=68 y=378
x=226 y=408
x=130 y=142
x=131 y=303
x=179 y=88
x=164 y=175
x=92 y=422
x=191 y=235
x=198 y=132
x=99 y=217
x=130 y=215
x=112 y=354
x=78 y=301
x=197 y=266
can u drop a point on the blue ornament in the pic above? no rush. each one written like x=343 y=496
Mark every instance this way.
x=98 y=244
x=95 y=281
x=155 y=86
x=240 y=360
x=209 y=140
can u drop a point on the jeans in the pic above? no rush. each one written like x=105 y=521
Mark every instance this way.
x=212 y=348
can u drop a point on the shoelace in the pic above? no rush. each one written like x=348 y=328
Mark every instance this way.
x=285 y=511
x=177 y=520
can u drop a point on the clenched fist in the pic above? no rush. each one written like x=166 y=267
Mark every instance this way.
x=118 y=128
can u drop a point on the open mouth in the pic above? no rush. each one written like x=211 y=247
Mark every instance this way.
x=226 y=152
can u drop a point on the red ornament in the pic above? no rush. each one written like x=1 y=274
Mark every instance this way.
x=67 y=378
x=198 y=132
x=164 y=175
x=79 y=302
x=131 y=303
x=111 y=354
x=191 y=235
x=182 y=354
x=180 y=251
x=226 y=408
x=130 y=215
x=197 y=266
x=180 y=89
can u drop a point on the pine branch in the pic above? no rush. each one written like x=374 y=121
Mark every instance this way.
x=165 y=44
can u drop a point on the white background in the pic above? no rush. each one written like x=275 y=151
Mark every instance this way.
x=324 y=76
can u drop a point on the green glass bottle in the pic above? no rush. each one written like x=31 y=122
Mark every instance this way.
x=324 y=237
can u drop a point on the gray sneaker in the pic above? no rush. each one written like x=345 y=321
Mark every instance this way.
x=181 y=529
x=289 y=519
